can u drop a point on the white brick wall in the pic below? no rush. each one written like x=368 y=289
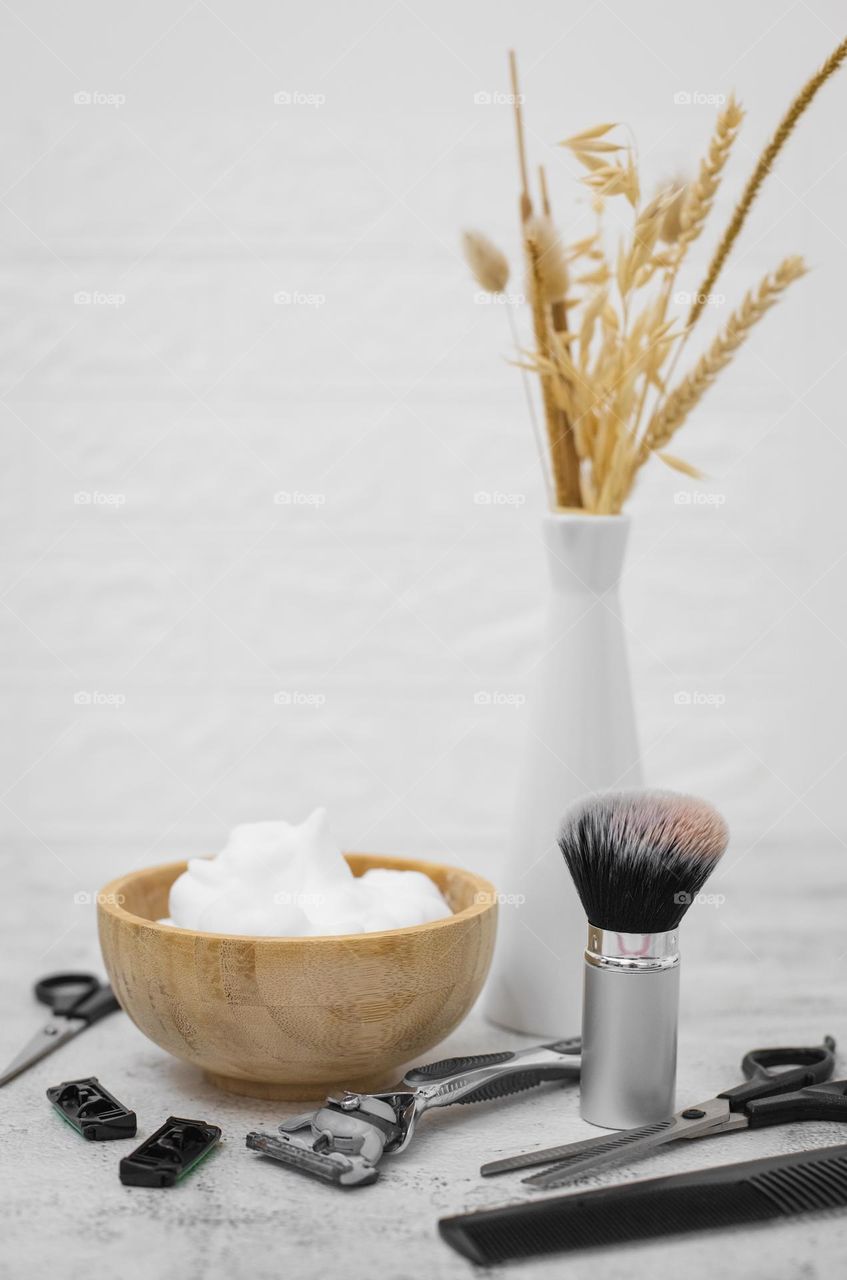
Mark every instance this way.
x=396 y=599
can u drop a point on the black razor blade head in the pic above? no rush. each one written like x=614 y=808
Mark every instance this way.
x=169 y=1153
x=92 y=1110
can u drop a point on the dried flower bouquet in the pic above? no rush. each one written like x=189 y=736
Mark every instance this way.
x=606 y=339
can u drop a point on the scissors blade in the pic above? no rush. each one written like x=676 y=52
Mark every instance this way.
x=54 y=1033
x=705 y=1120
x=570 y=1150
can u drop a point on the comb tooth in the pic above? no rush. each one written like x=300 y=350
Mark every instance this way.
x=755 y=1192
x=592 y=1219
x=818 y=1186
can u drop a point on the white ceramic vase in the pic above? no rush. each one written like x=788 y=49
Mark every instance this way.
x=581 y=738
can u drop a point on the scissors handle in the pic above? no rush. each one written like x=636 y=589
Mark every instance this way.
x=805 y=1066
x=77 y=995
x=816 y=1102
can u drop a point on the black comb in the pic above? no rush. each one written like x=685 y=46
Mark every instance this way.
x=754 y=1191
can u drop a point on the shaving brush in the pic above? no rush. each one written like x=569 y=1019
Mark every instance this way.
x=638 y=860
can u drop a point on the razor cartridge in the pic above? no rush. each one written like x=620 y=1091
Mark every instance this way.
x=340 y=1143
x=169 y=1153
x=92 y=1110
x=329 y=1166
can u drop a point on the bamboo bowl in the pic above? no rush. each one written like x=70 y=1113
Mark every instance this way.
x=295 y=1018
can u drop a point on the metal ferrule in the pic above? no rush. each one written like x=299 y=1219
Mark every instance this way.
x=629 y=1026
x=633 y=951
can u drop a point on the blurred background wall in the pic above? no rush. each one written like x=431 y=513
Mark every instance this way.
x=248 y=565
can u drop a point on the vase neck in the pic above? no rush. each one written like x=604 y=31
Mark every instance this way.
x=585 y=553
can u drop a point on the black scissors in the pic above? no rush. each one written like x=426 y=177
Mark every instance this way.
x=780 y=1085
x=77 y=1001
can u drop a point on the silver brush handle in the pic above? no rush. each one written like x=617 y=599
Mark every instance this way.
x=629 y=1028
x=480 y=1077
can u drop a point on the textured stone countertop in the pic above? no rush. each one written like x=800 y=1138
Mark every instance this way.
x=767 y=968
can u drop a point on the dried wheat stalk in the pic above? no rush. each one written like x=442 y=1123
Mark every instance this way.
x=701 y=193
x=606 y=341
x=694 y=385
x=761 y=171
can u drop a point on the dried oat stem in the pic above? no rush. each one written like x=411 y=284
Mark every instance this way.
x=553 y=277
x=567 y=494
x=517 y=103
x=564 y=463
x=762 y=169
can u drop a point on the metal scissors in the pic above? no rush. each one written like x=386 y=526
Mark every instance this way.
x=780 y=1085
x=77 y=1001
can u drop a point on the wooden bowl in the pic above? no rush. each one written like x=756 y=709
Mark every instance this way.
x=297 y=1017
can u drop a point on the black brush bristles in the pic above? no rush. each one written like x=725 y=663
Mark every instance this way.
x=639 y=858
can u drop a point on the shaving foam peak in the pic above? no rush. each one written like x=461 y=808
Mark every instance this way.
x=280 y=879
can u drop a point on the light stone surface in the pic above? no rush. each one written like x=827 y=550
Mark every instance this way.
x=766 y=966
